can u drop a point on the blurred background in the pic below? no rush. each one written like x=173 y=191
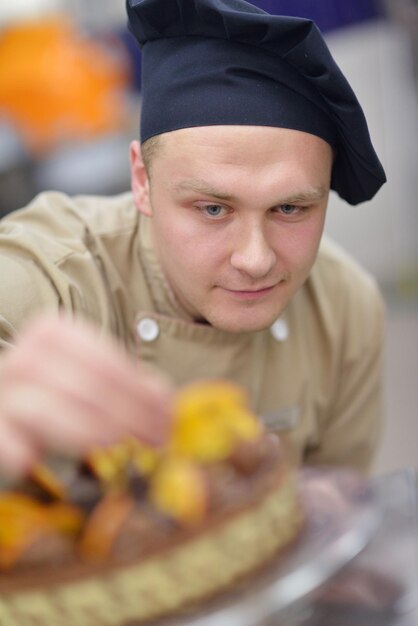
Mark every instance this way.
x=69 y=105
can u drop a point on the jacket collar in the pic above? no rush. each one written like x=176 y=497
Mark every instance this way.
x=163 y=296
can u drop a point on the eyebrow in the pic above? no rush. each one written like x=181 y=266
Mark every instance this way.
x=200 y=186
x=313 y=194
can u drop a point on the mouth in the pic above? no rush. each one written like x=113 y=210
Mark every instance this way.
x=250 y=294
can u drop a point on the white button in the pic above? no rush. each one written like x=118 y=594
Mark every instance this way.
x=148 y=329
x=280 y=330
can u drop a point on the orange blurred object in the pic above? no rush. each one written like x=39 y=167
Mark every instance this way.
x=23 y=520
x=56 y=84
x=104 y=525
x=179 y=490
x=47 y=480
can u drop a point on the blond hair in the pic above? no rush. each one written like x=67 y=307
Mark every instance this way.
x=149 y=149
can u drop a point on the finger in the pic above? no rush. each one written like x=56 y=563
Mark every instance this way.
x=104 y=401
x=74 y=353
x=49 y=421
x=17 y=455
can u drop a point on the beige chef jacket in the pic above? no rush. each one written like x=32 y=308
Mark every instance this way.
x=314 y=376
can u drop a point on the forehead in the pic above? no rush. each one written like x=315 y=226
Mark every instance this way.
x=254 y=148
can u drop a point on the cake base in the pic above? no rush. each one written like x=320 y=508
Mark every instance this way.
x=189 y=571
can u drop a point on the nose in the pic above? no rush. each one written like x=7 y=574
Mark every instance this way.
x=252 y=254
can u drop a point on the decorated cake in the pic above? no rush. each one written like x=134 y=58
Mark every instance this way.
x=131 y=533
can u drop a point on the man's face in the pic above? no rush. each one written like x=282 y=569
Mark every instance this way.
x=237 y=215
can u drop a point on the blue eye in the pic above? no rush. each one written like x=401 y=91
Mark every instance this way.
x=214 y=210
x=288 y=209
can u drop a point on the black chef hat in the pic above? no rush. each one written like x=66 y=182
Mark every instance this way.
x=216 y=62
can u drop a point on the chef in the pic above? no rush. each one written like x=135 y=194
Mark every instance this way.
x=214 y=265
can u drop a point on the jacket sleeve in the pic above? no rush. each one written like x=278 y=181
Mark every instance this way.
x=24 y=292
x=46 y=263
x=350 y=434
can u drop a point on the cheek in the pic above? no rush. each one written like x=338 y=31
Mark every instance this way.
x=299 y=247
x=189 y=236
x=183 y=249
x=310 y=238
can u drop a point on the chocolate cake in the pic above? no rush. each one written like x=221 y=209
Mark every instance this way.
x=131 y=533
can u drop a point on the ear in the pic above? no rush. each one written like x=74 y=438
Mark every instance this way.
x=139 y=180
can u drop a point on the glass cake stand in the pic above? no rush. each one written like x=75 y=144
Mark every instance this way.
x=343 y=514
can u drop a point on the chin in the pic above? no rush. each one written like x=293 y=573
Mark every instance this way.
x=242 y=324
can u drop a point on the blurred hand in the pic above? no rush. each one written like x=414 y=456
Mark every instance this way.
x=358 y=586
x=64 y=388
